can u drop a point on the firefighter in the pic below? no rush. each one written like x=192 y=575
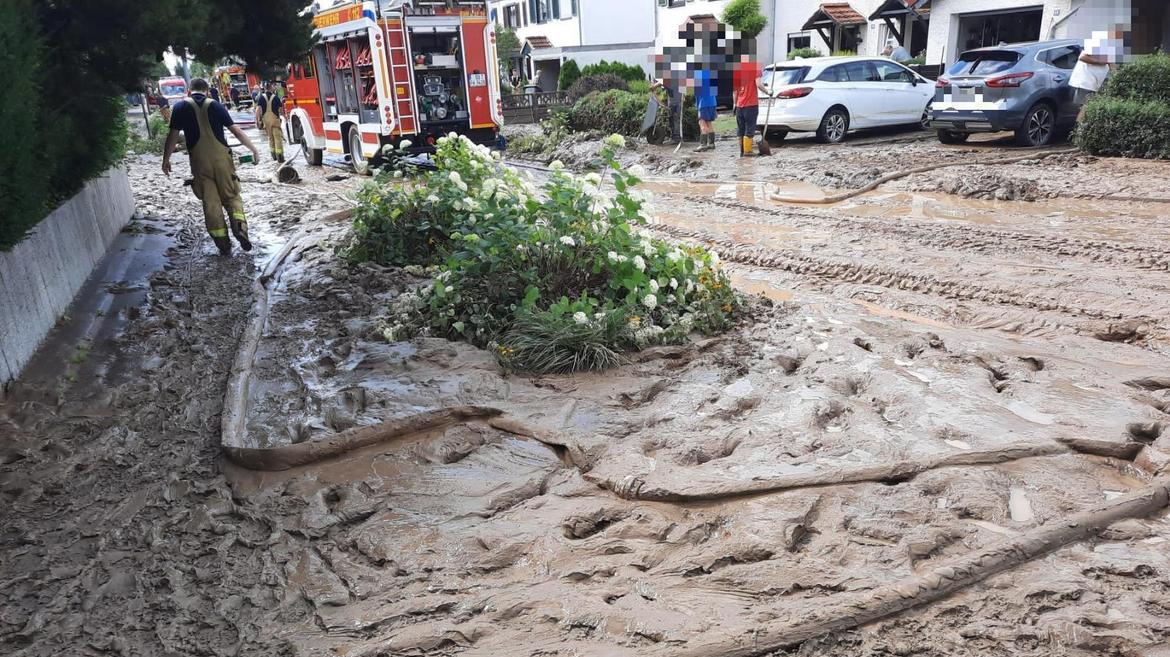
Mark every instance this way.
x=202 y=122
x=269 y=108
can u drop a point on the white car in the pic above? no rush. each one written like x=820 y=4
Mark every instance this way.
x=833 y=95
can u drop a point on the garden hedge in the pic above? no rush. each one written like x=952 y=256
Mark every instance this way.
x=596 y=82
x=1127 y=128
x=627 y=72
x=1145 y=79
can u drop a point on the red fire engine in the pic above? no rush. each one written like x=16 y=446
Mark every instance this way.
x=233 y=76
x=388 y=70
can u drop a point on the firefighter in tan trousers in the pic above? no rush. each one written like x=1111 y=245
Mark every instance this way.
x=269 y=109
x=202 y=122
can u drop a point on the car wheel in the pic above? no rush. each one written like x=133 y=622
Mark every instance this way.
x=1039 y=126
x=834 y=126
x=952 y=137
x=776 y=135
x=359 y=162
x=924 y=121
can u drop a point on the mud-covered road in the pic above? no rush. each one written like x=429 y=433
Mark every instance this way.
x=923 y=377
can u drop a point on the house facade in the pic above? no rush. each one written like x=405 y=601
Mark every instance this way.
x=586 y=31
x=631 y=31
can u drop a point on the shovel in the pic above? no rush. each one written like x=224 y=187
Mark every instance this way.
x=765 y=147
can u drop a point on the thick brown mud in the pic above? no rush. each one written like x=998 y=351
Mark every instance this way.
x=912 y=390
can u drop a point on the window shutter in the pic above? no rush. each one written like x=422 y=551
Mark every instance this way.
x=573 y=6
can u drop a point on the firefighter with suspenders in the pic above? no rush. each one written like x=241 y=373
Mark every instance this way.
x=202 y=121
x=269 y=109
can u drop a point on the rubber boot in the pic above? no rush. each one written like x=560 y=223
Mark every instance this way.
x=223 y=244
x=241 y=236
x=711 y=141
x=745 y=147
x=702 y=143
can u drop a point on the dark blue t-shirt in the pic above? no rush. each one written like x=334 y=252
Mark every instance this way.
x=262 y=103
x=183 y=118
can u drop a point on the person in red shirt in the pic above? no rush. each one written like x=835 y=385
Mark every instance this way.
x=745 y=99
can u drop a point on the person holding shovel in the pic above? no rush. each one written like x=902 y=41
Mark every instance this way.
x=745 y=99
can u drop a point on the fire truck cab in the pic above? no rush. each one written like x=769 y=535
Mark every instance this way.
x=384 y=71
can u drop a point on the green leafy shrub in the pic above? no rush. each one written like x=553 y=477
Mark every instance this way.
x=621 y=112
x=627 y=72
x=844 y=53
x=612 y=111
x=745 y=16
x=148 y=143
x=1128 y=128
x=561 y=278
x=597 y=82
x=553 y=131
x=570 y=73
x=1145 y=79
x=805 y=53
x=640 y=87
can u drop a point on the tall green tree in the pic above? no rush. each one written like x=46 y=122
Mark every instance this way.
x=507 y=47
x=23 y=181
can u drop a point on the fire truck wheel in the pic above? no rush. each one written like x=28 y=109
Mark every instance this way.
x=314 y=156
x=360 y=165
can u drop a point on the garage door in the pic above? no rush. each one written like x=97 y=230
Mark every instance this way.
x=979 y=30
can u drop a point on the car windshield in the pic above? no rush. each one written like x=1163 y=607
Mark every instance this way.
x=984 y=62
x=173 y=89
x=774 y=77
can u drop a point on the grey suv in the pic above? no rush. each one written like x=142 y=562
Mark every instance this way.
x=1020 y=86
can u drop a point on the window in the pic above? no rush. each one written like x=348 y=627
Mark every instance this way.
x=512 y=16
x=891 y=72
x=540 y=11
x=834 y=74
x=676 y=3
x=573 y=7
x=984 y=62
x=307 y=68
x=798 y=40
x=1064 y=57
x=785 y=75
x=861 y=72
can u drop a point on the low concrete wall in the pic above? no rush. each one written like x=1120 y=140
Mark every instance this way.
x=40 y=276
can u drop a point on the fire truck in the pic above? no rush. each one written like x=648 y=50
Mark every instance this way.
x=383 y=71
x=236 y=77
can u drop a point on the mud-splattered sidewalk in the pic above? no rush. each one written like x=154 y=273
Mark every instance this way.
x=912 y=387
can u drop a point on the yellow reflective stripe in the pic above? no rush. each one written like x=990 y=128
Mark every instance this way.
x=239 y=216
x=217 y=232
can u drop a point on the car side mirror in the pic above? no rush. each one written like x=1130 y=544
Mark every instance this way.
x=914 y=81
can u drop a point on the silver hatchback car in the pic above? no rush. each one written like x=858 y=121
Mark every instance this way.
x=1021 y=87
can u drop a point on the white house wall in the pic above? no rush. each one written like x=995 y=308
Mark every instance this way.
x=609 y=22
x=562 y=32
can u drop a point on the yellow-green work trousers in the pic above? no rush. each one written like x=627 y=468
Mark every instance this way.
x=216 y=183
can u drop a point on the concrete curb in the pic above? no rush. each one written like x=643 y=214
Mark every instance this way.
x=40 y=276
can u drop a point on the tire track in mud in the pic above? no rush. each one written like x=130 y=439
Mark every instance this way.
x=838 y=272
x=954 y=236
